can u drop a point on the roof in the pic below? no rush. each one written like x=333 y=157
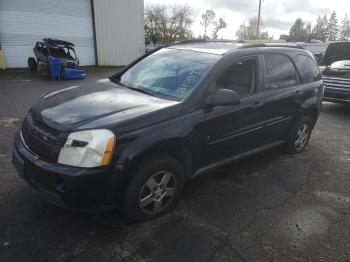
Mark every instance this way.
x=221 y=47
x=57 y=42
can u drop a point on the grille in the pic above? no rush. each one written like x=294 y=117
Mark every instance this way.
x=337 y=82
x=42 y=140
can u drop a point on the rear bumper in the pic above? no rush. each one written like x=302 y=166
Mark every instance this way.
x=84 y=189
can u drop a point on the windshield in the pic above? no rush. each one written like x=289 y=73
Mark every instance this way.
x=169 y=73
x=62 y=52
x=337 y=52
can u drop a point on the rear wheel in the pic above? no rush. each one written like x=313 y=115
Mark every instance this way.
x=32 y=65
x=300 y=135
x=155 y=188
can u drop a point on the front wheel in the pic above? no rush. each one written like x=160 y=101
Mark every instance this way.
x=32 y=64
x=155 y=188
x=300 y=135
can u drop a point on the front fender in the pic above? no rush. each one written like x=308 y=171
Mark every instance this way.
x=141 y=141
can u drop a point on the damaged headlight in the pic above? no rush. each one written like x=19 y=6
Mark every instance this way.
x=88 y=148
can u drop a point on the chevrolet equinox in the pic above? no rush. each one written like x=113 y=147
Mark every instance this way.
x=131 y=141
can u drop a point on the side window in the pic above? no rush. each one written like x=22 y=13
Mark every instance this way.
x=239 y=77
x=307 y=68
x=279 y=72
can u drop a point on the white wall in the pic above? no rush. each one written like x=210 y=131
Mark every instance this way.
x=23 y=23
x=119 y=31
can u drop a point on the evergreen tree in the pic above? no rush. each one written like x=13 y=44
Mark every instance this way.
x=345 y=29
x=297 y=32
x=308 y=32
x=284 y=37
x=320 y=29
x=324 y=35
x=316 y=31
x=332 y=27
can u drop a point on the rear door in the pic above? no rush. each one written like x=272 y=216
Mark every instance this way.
x=280 y=95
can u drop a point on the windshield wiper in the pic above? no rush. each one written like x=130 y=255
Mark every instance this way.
x=150 y=93
x=141 y=90
x=135 y=88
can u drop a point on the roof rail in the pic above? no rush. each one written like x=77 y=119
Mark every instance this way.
x=272 y=45
x=192 y=41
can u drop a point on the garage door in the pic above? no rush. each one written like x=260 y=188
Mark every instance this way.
x=23 y=23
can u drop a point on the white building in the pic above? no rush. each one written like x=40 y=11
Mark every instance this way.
x=105 y=32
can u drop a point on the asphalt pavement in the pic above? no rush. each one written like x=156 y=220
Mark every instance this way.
x=269 y=207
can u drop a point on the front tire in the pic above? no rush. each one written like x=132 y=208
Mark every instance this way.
x=155 y=188
x=300 y=135
x=32 y=64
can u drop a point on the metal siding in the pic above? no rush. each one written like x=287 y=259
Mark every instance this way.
x=22 y=23
x=119 y=31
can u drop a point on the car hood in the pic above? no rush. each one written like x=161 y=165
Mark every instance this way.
x=339 y=69
x=336 y=52
x=101 y=104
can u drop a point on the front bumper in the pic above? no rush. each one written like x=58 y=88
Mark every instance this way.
x=86 y=189
x=337 y=95
x=337 y=90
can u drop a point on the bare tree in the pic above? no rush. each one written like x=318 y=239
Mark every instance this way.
x=167 y=24
x=207 y=20
x=153 y=17
x=180 y=21
x=248 y=32
x=218 y=25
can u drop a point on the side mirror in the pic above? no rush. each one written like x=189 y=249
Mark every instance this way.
x=224 y=97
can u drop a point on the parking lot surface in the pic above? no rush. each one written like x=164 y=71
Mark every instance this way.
x=269 y=207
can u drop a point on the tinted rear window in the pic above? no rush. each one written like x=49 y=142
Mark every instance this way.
x=279 y=72
x=308 y=69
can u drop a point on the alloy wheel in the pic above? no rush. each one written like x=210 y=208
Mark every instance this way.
x=302 y=137
x=158 y=192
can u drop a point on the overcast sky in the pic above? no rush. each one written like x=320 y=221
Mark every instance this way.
x=278 y=15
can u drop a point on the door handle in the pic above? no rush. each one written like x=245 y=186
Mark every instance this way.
x=298 y=98
x=257 y=105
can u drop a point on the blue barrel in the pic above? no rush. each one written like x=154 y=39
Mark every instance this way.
x=73 y=73
x=55 y=67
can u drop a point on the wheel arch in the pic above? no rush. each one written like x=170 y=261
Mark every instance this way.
x=176 y=148
x=313 y=112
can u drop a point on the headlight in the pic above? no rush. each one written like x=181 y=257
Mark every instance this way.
x=88 y=148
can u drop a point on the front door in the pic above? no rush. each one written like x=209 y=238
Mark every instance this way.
x=231 y=130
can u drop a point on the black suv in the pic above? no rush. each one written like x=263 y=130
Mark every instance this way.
x=336 y=76
x=133 y=140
